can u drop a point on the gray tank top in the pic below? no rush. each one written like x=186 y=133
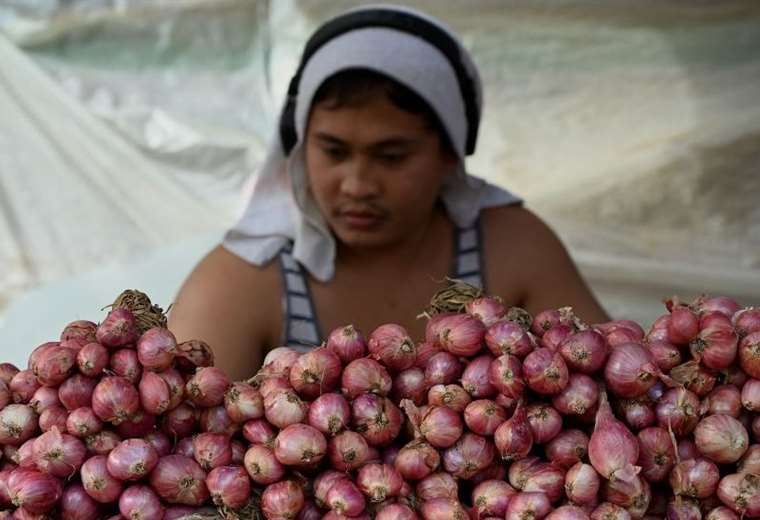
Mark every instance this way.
x=300 y=325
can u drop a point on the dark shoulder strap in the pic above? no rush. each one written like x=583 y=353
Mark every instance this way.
x=468 y=255
x=300 y=324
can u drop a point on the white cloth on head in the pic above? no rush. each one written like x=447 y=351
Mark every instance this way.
x=281 y=208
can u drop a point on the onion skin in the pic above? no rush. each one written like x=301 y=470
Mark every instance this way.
x=506 y=337
x=437 y=485
x=156 y=349
x=76 y=504
x=92 y=359
x=459 y=334
x=365 y=375
x=115 y=399
x=470 y=455
x=262 y=466
x=609 y=511
x=282 y=500
x=506 y=375
x=443 y=508
x=630 y=370
x=377 y=419
x=329 y=413
x=348 y=343
x=396 y=512
x=491 y=497
x=545 y=371
x=379 y=482
x=476 y=377
x=300 y=445
x=695 y=478
x=34 y=491
x=582 y=483
x=212 y=450
x=585 y=351
x=514 y=437
x=545 y=422
x=18 y=423
x=749 y=354
x=568 y=448
x=207 y=387
x=656 y=453
x=741 y=493
x=118 y=329
x=140 y=502
x=391 y=345
x=315 y=372
x=453 y=396
x=416 y=460
x=98 y=482
x=347 y=451
x=441 y=426
x=528 y=505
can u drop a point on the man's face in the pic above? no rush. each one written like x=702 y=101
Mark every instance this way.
x=374 y=170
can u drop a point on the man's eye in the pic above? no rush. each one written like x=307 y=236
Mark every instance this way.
x=391 y=158
x=334 y=153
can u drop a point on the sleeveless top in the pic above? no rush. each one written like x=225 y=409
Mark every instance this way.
x=301 y=329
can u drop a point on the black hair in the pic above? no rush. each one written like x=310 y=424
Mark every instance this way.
x=353 y=87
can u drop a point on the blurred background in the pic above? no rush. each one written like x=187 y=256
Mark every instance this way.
x=129 y=131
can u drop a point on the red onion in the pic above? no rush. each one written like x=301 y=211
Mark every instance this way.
x=176 y=384
x=76 y=504
x=347 y=451
x=124 y=363
x=696 y=478
x=34 y=491
x=44 y=398
x=309 y=511
x=410 y=384
x=514 y=438
x=425 y=350
x=579 y=396
x=396 y=512
x=716 y=344
x=24 y=455
x=283 y=408
x=637 y=413
x=140 y=502
x=365 y=375
x=441 y=426
x=138 y=425
x=584 y=351
x=751 y=395
x=345 y=498
x=417 y=460
x=507 y=337
x=749 y=354
x=180 y=422
x=217 y=420
x=18 y=423
x=545 y=422
x=115 y=399
x=23 y=386
x=725 y=400
x=544 y=478
x=453 y=396
x=721 y=513
x=459 y=334
x=229 y=486
x=722 y=304
x=103 y=442
x=160 y=442
x=348 y=343
x=315 y=372
x=282 y=500
x=545 y=371
x=633 y=495
x=443 y=368
x=630 y=371
x=687 y=450
x=118 y=329
x=376 y=418
x=55 y=365
x=613 y=449
x=747 y=321
x=567 y=448
x=568 y=513
x=443 y=508
x=98 y=482
x=77 y=391
x=490 y=498
x=684 y=324
x=193 y=354
x=391 y=345
x=329 y=413
x=488 y=309
x=212 y=450
x=55 y=416
x=6 y=396
x=678 y=409
x=259 y=431
x=664 y=355
x=243 y=402
x=608 y=511
x=59 y=454
x=80 y=330
x=721 y=438
x=179 y=480
x=581 y=483
x=154 y=393
x=476 y=377
x=92 y=359
x=471 y=454
x=323 y=483
x=36 y=355
x=156 y=349
x=379 y=482
x=8 y=372
x=554 y=337
x=483 y=417
x=278 y=361
x=656 y=453
x=437 y=485
x=207 y=387
x=506 y=374
x=300 y=445
x=528 y=505
x=545 y=320
x=262 y=465
x=741 y=493
x=132 y=459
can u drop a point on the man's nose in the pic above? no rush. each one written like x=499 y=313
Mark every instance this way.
x=359 y=182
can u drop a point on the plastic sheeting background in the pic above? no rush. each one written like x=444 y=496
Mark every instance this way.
x=129 y=130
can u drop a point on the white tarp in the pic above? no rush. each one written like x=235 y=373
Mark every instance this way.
x=128 y=130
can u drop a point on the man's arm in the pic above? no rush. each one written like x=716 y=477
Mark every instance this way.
x=539 y=272
x=227 y=303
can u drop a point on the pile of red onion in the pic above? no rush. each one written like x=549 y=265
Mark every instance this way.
x=495 y=414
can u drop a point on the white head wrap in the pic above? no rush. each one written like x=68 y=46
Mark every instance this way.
x=281 y=208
